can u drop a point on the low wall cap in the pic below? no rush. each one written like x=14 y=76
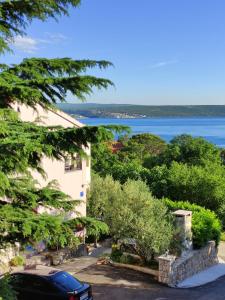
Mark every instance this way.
x=181 y=212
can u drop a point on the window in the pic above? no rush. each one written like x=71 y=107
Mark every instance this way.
x=66 y=282
x=73 y=163
x=32 y=283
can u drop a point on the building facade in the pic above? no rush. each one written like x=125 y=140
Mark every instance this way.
x=72 y=176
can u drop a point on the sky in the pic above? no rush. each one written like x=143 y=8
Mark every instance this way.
x=165 y=52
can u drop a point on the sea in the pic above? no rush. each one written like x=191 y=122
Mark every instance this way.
x=212 y=129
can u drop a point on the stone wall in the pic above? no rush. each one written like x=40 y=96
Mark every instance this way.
x=173 y=270
x=6 y=254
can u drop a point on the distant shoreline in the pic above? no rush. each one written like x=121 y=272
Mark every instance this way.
x=158 y=117
x=91 y=110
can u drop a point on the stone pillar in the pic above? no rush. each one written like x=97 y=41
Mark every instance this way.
x=183 y=220
x=166 y=268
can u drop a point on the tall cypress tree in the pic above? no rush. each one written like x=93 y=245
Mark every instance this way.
x=38 y=81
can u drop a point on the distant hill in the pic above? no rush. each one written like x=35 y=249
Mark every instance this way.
x=94 y=110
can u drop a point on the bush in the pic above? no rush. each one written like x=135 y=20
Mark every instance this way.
x=116 y=253
x=131 y=211
x=17 y=261
x=205 y=224
x=223 y=236
x=131 y=259
x=6 y=292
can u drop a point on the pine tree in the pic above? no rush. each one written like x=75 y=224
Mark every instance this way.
x=38 y=81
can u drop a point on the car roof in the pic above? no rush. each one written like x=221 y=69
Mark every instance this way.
x=39 y=270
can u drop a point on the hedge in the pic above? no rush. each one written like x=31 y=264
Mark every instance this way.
x=206 y=226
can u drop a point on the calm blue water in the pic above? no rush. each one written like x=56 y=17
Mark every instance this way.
x=213 y=129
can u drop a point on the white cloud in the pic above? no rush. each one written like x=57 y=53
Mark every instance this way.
x=55 y=37
x=164 y=63
x=25 y=44
x=31 y=45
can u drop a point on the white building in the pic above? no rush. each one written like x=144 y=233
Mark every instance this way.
x=73 y=177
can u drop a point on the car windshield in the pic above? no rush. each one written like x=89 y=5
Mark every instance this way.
x=66 y=281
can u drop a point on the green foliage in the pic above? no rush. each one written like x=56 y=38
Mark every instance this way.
x=26 y=226
x=102 y=158
x=130 y=211
x=141 y=146
x=223 y=236
x=190 y=150
x=94 y=228
x=116 y=253
x=103 y=192
x=39 y=82
x=47 y=81
x=125 y=171
x=205 y=224
x=201 y=185
x=17 y=261
x=6 y=291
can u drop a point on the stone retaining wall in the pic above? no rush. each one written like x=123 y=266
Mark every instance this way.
x=6 y=254
x=173 y=270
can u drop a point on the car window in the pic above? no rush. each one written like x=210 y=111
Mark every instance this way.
x=32 y=282
x=41 y=285
x=18 y=280
x=66 y=281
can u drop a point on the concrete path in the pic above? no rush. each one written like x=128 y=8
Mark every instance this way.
x=76 y=265
x=209 y=275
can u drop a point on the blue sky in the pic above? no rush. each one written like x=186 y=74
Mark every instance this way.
x=164 y=51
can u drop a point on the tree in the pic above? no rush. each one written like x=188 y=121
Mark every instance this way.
x=190 y=150
x=103 y=191
x=203 y=185
x=141 y=146
x=47 y=81
x=130 y=211
x=38 y=81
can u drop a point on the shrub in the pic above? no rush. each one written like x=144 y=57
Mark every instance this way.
x=6 y=292
x=205 y=224
x=223 y=236
x=116 y=253
x=131 y=259
x=131 y=211
x=17 y=261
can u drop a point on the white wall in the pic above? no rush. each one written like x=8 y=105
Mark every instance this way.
x=73 y=183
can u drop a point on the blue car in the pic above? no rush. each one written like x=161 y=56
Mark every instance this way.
x=44 y=283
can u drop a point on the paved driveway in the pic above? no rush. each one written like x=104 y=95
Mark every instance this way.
x=111 y=283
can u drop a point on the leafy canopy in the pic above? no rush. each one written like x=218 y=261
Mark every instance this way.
x=38 y=81
x=131 y=211
x=47 y=81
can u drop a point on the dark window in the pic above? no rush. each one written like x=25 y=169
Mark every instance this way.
x=66 y=281
x=73 y=163
x=41 y=285
x=18 y=280
x=32 y=282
